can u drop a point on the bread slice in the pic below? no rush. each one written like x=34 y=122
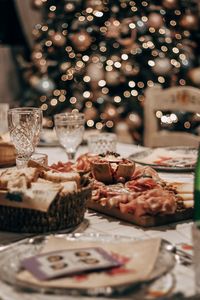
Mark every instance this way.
x=101 y=171
x=61 y=176
x=68 y=187
x=13 y=177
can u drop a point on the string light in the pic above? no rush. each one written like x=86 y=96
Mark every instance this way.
x=89 y=72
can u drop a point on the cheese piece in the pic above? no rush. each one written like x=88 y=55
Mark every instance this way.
x=189 y=204
x=62 y=177
x=183 y=187
x=185 y=197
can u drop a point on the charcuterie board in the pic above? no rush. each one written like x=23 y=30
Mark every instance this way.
x=144 y=221
x=134 y=193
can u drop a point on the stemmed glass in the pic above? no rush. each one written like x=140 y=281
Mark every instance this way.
x=24 y=126
x=69 y=129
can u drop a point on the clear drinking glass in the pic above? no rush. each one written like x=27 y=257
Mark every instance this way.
x=70 y=129
x=24 y=126
x=102 y=142
x=4 y=107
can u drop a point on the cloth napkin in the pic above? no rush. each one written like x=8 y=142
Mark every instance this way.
x=139 y=258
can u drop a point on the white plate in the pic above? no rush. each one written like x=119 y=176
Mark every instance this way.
x=175 y=159
x=10 y=261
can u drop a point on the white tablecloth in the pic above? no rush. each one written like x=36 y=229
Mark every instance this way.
x=175 y=233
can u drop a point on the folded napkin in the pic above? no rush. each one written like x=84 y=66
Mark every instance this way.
x=139 y=258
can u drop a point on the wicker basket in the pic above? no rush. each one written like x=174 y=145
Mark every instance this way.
x=64 y=212
x=7 y=154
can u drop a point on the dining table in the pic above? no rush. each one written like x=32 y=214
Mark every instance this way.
x=180 y=279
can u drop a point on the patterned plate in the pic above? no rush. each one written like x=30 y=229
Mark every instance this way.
x=176 y=159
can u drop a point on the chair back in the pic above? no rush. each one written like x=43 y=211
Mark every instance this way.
x=184 y=99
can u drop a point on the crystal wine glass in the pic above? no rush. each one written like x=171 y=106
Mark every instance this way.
x=69 y=129
x=24 y=126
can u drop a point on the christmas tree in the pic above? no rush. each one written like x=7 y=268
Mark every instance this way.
x=98 y=56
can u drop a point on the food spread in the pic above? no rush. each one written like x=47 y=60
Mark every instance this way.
x=120 y=186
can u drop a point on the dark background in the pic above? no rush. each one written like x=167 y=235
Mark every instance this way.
x=10 y=27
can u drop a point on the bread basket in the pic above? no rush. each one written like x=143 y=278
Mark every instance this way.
x=64 y=212
x=7 y=154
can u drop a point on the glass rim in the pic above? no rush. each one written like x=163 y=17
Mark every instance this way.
x=28 y=109
x=66 y=114
x=69 y=117
x=103 y=136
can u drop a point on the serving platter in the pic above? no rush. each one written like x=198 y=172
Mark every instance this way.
x=10 y=264
x=146 y=220
x=172 y=159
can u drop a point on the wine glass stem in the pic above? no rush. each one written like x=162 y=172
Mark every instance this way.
x=71 y=156
x=21 y=161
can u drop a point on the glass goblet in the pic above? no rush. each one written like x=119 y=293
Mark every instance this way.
x=24 y=126
x=70 y=129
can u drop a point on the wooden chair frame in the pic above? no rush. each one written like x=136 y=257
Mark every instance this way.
x=181 y=98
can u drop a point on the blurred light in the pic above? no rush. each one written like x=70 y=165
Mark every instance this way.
x=43 y=98
x=98 y=14
x=117 y=99
x=182 y=82
x=85 y=58
x=127 y=94
x=131 y=84
x=173 y=23
x=132 y=25
x=86 y=94
x=54 y=102
x=164 y=48
x=52 y=8
x=44 y=28
x=159 y=114
x=102 y=83
x=150 y=83
x=56 y=93
x=187 y=125
x=62 y=98
x=105 y=90
x=72 y=100
x=151 y=63
x=140 y=84
x=117 y=64
x=175 y=50
x=88 y=104
x=134 y=93
x=86 y=78
x=177 y=12
x=109 y=124
x=99 y=125
x=124 y=56
x=44 y=106
x=161 y=79
x=90 y=123
x=174 y=118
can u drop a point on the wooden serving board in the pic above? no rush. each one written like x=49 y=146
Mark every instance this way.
x=144 y=221
x=7 y=154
